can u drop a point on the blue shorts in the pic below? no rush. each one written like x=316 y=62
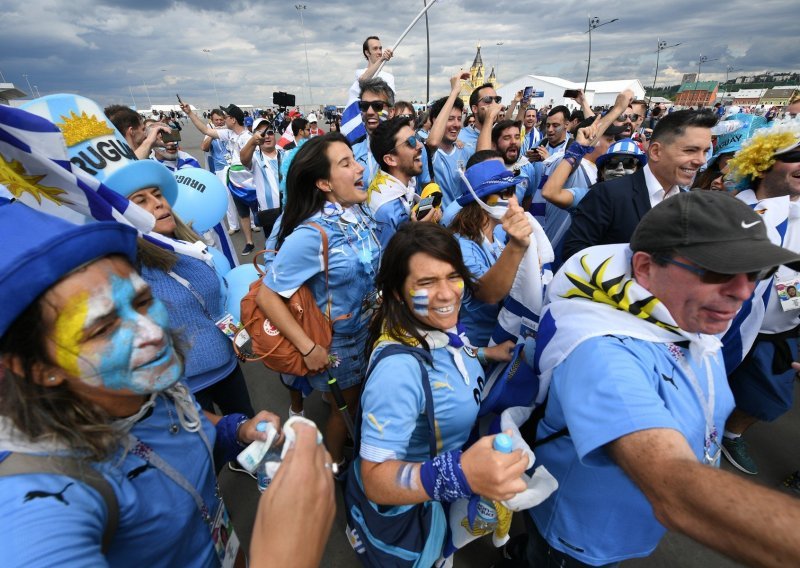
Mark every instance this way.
x=757 y=388
x=352 y=353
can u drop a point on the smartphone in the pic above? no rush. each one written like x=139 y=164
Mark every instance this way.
x=526 y=94
x=425 y=206
x=533 y=156
x=179 y=99
x=174 y=136
x=572 y=93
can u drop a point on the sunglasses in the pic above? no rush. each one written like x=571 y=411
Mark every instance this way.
x=633 y=117
x=790 y=157
x=488 y=99
x=377 y=106
x=711 y=277
x=405 y=116
x=627 y=163
x=268 y=132
x=411 y=141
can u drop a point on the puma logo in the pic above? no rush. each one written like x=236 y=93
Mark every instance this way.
x=136 y=472
x=670 y=380
x=748 y=225
x=31 y=495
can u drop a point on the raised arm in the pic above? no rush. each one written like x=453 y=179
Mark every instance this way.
x=198 y=122
x=246 y=153
x=485 y=137
x=440 y=124
x=743 y=520
x=372 y=68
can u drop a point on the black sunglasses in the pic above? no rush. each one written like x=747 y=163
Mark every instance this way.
x=268 y=132
x=411 y=141
x=377 y=106
x=632 y=117
x=488 y=99
x=711 y=277
x=627 y=163
x=789 y=157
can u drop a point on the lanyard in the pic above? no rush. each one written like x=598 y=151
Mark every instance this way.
x=711 y=447
x=148 y=454
x=186 y=284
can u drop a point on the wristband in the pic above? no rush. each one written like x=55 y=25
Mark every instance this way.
x=443 y=479
x=482 y=356
x=309 y=351
x=576 y=151
x=227 y=430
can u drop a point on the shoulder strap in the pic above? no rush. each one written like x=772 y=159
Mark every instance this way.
x=324 y=261
x=422 y=356
x=18 y=464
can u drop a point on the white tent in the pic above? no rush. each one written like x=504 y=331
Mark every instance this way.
x=551 y=90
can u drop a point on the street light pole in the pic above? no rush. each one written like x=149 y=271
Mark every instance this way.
x=213 y=76
x=594 y=23
x=30 y=89
x=301 y=8
x=662 y=45
x=703 y=59
x=428 y=52
x=499 y=45
x=728 y=71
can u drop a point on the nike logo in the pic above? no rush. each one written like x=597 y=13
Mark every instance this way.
x=748 y=225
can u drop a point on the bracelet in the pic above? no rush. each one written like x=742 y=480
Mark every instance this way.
x=482 y=356
x=304 y=355
x=576 y=151
x=443 y=479
x=227 y=434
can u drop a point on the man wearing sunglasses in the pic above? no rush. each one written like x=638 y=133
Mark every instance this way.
x=262 y=157
x=479 y=101
x=639 y=392
x=763 y=385
x=611 y=210
x=376 y=103
x=391 y=194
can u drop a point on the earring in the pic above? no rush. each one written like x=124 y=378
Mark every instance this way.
x=51 y=379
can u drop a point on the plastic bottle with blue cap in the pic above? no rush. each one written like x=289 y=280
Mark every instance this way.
x=487 y=514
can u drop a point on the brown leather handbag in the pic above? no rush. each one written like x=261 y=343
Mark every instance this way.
x=268 y=344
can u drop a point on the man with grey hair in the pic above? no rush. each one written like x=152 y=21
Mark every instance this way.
x=376 y=103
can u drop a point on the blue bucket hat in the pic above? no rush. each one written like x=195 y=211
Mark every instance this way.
x=624 y=147
x=96 y=146
x=40 y=249
x=487 y=178
x=735 y=130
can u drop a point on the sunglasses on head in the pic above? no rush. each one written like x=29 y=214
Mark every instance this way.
x=627 y=163
x=789 y=157
x=411 y=141
x=711 y=277
x=488 y=99
x=377 y=106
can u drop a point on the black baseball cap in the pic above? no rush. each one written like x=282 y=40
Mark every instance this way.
x=714 y=230
x=235 y=112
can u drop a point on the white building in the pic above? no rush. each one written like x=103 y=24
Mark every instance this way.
x=551 y=90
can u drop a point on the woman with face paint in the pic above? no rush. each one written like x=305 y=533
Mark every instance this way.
x=423 y=280
x=324 y=187
x=104 y=456
x=492 y=242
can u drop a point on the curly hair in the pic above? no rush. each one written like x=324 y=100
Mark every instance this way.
x=758 y=154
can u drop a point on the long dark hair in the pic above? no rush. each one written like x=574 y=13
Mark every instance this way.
x=469 y=222
x=303 y=197
x=393 y=316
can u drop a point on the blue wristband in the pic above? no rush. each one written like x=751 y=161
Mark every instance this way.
x=443 y=479
x=227 y=428
x=576 y=152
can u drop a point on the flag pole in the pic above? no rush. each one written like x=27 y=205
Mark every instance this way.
x=405 y=33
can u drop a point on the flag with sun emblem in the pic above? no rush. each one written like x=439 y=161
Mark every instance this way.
x=35 y=169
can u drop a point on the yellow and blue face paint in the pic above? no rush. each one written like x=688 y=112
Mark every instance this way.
x=420 y=301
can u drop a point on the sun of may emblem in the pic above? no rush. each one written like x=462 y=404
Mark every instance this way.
x=18 y=181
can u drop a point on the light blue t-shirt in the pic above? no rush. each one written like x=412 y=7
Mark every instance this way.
x=469 y=136
x=394 y=425
x=478 y=317
x=353 y=260
x=445 y=169
x=54 y=520
x=286 y=161
x=218 y=156
x=388 y=219
x=609 y=387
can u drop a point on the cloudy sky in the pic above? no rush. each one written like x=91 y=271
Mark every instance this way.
x=148 y=50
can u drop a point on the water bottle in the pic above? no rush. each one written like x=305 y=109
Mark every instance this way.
x=251 y=456
x=486 y=519
x=262 y=475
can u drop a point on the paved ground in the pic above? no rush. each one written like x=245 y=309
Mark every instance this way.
x=771 y=447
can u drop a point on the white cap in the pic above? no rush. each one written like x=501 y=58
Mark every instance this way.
x=312 y=117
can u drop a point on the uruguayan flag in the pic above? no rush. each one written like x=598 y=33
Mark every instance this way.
x=35 y=169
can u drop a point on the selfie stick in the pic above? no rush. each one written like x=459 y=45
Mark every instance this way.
x=405 y=33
